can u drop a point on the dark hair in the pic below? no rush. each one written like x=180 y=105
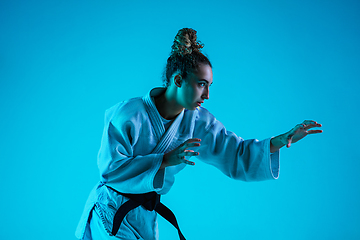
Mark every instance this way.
x=185 y=55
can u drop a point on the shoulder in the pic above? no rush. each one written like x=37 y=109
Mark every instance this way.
x=204 y=118
x=132 y=110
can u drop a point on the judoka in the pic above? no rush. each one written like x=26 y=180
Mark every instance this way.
x=148 y=140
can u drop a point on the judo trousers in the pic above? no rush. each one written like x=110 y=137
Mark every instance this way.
x=96 y=229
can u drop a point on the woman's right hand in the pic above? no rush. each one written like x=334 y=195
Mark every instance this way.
x=178 y=155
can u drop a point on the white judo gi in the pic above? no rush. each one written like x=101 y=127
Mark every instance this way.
x=132 y=148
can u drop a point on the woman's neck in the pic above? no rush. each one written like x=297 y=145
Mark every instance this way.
x=167 y=105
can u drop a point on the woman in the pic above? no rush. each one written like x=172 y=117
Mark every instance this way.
x=146 y=141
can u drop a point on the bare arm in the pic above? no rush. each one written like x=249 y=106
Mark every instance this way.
x=297 y=133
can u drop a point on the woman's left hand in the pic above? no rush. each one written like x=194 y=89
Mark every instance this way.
x=300 y=131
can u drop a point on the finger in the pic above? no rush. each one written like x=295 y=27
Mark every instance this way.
x=188 y=154
x=301 y=125
x=307 y=122
x=310 y=124
x=190 y=145
x=289 y=142
x=189 y=162
x=314 y=131
x=192 y=140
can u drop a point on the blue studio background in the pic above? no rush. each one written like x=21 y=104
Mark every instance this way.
x=276 y=63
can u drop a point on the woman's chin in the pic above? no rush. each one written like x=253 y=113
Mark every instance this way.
x=192 y=108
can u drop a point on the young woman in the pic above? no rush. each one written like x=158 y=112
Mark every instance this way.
x=146 y=141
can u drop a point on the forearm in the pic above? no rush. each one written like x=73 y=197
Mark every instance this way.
x=277 y=142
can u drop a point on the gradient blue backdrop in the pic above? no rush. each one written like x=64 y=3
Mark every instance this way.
x=276 y=63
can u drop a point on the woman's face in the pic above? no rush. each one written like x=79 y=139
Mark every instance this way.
x=195 y=88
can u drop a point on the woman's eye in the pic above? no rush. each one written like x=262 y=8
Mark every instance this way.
x=202 y=84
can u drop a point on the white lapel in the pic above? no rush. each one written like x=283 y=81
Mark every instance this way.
x=164 y=138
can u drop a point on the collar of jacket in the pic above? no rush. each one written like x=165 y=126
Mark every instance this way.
x=165 y=138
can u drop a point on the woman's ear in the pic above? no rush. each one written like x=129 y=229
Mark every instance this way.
x=178 y=80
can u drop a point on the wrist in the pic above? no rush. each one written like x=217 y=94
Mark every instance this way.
x=277 y=142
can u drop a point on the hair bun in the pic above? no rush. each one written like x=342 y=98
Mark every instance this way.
x=185 y=42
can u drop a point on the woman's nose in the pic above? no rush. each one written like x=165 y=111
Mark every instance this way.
x=206 y=93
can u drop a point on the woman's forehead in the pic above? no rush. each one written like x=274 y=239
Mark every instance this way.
x=204 y=72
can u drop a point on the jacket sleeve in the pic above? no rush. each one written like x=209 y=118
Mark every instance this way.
x=118 y=166
x=247 y=160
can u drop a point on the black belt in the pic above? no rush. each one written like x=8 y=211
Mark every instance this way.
x=150 y=201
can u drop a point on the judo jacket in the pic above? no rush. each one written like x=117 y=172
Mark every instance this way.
x=133 y=145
